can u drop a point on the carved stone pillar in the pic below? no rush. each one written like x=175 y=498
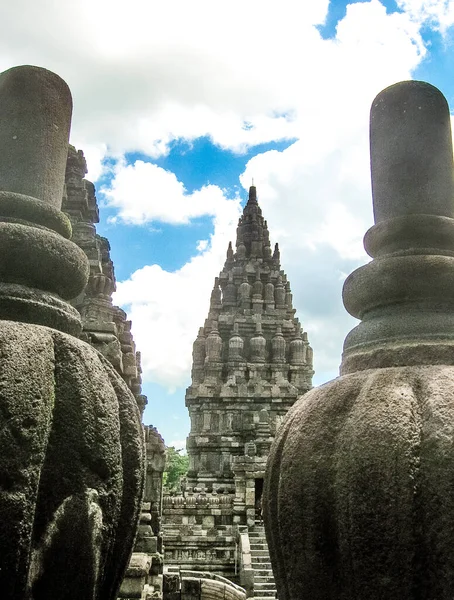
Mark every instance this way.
x=359 y=498
x=71 y=442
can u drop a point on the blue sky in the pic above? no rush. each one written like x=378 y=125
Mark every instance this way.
x=178 y=105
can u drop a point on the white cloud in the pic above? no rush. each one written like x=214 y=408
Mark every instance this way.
x=167 y=308
x=242 y=72
x=179 y=445
x=144 y=192
x=315 y=195
x=437 y=13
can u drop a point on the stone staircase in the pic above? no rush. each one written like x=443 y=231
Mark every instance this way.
x=264 y=585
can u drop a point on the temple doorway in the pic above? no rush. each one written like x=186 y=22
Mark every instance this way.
x=258 y=499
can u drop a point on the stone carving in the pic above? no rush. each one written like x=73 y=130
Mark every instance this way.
x=71 y=462
x=244 y=368
x=359 y=500
x=148 y=548
x=105 y=326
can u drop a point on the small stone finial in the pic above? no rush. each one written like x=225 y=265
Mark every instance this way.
x=244 y=292
x=252 y=199
x=258 y=345
x=279 y=293
x=198 y=349
x=406 y=291
x=269 y=294
x=257 y=288
x=288 y=295
x=216 y=294
x=298 y=350
x=241 y=251
x=213 y=345
x=278 y=346
x=230 y=253
x=229 y=292
x=236 y=344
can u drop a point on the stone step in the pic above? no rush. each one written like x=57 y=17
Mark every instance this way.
x=258 y=546
x=259 y=572
x=261 y=564
x=259 y=554
x=256 y=531
x=264 y=579
x=264 y=585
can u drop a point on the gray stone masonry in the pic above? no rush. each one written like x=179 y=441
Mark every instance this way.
x=71 y=461
x=359 y=500
x=264 y=584
x=251 y=361
x=106 y=328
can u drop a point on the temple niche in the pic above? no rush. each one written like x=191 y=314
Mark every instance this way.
x=251 y=361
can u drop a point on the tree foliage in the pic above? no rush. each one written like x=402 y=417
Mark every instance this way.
x=176 y=467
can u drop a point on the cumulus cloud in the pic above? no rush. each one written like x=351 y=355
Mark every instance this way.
x=315 y=194
x=241 y=72
x=143 y=193
x=167 y=308
x=437 y=13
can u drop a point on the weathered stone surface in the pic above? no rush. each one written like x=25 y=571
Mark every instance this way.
x=369 y=501
x=105 y=326
x=70 y=467
x=55 y=265
x=411 y=144
x=35 y=256
x=71 y=464
x=251 y=360
x=35 y=117
x=359 y=491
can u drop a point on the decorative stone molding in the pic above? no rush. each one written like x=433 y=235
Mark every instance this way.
x=358 y=498
x=71 y=466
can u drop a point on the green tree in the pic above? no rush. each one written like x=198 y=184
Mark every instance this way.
x=177 y=465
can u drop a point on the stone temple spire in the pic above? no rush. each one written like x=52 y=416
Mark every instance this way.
x=252 y=231
x=256 y=358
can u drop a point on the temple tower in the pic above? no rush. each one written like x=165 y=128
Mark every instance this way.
x=251 y=361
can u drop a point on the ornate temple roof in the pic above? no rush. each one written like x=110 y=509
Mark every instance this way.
x=251 y=359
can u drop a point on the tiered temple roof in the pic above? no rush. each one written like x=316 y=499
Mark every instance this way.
x=251 y=359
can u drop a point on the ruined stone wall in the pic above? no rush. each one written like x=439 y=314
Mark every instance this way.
x=107 y=329
x=105 y=326
x=199 y=531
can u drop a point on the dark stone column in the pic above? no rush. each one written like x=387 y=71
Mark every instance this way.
x=71 y=457
x=359 y=497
